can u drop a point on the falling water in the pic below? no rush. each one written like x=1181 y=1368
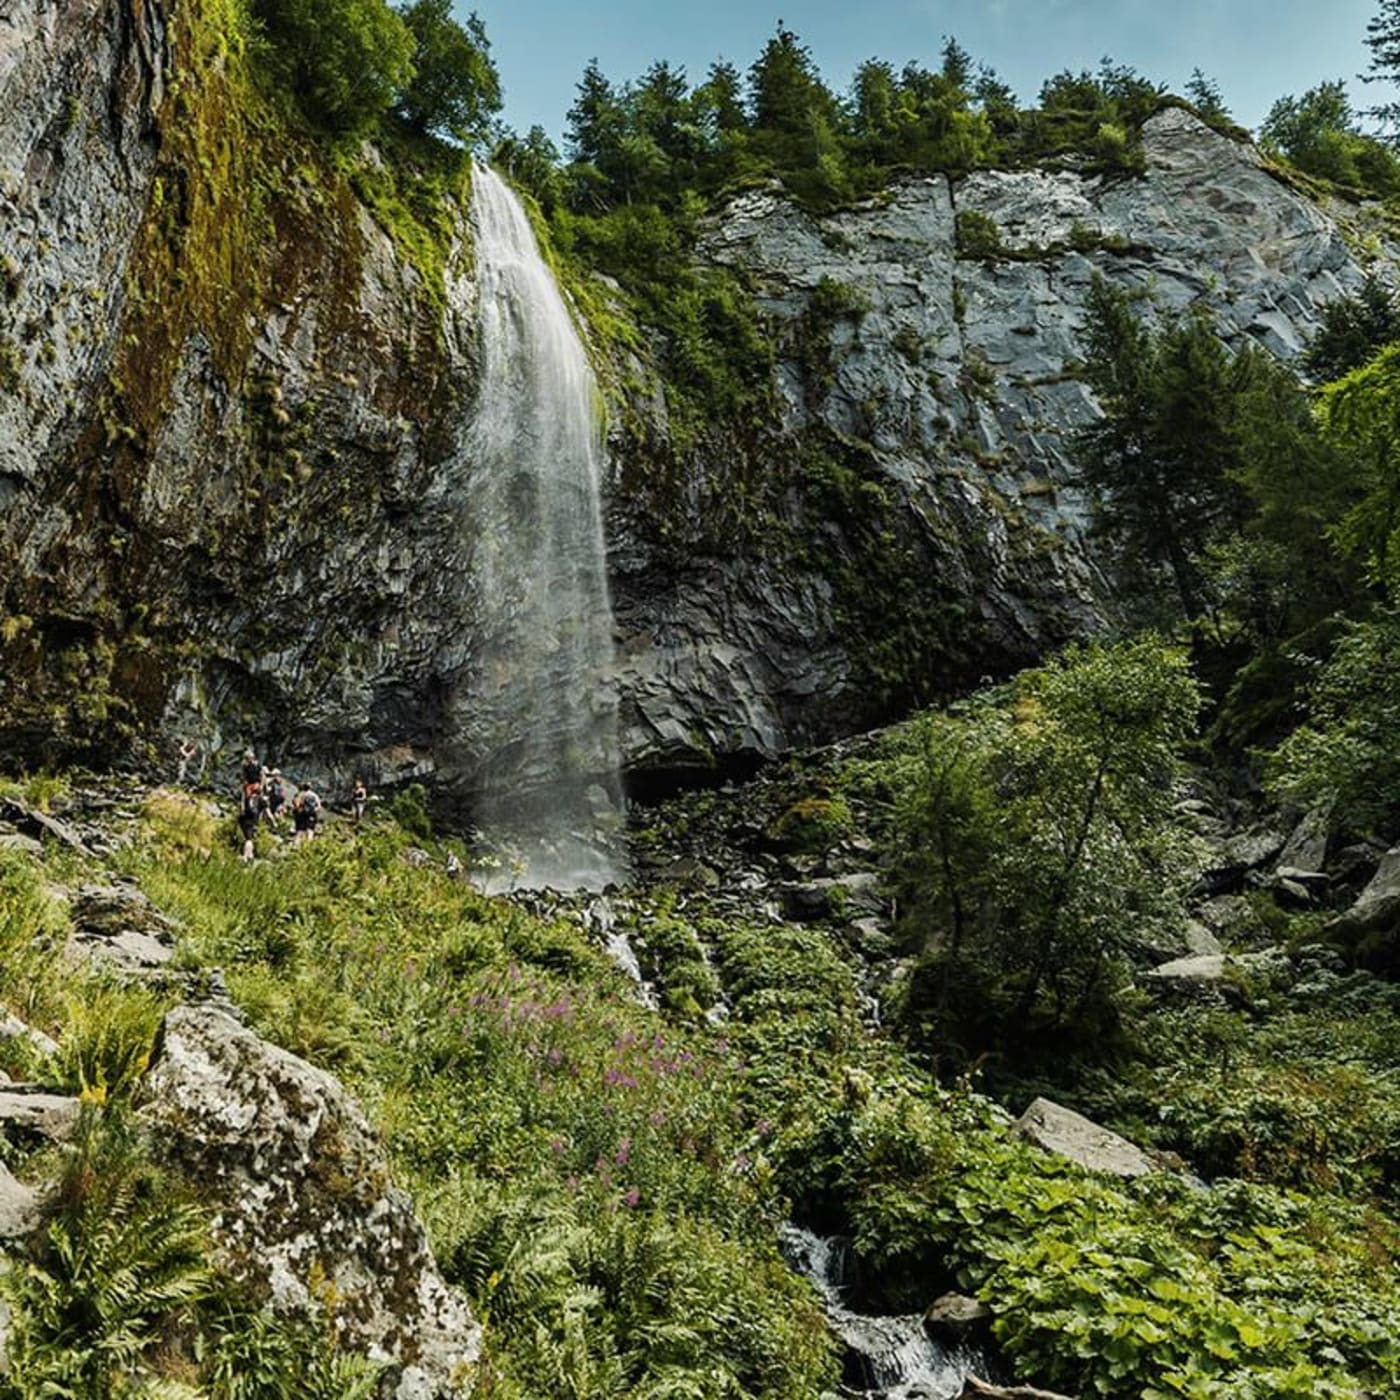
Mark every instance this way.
x=543 y=709
x=886 y=1358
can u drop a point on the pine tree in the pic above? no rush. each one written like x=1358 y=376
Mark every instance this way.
x=1383 y=40
x=1206 y=97
x=594 y=122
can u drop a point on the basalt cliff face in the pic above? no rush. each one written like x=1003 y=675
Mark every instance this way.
x=233 y=400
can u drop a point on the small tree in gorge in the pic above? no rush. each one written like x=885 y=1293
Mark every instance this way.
x=1037 y=841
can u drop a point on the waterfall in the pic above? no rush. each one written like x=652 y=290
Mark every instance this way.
x=542 y=726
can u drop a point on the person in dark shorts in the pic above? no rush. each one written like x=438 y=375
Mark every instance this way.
x=276 y=794
x=250 y=813
x=359 y=795
x=306 y=812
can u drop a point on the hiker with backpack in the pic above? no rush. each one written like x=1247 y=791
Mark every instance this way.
x=306 y=812
x=252 y=803
x=276 y=794
x=252 y=806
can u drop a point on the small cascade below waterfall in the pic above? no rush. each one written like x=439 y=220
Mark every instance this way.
x=887 y=1358
x=540 y=714
x=600 y=919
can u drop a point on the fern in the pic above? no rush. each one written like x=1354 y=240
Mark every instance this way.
x=117 y=1268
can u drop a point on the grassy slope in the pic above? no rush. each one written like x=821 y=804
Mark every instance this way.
x=605 y=1181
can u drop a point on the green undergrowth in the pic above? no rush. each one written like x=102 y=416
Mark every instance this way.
x=606 y=1182
x=582 y=1165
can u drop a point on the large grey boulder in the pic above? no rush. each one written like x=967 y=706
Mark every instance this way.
x=1216 y=974
x=1066 y=1133
x=954 y=1317
x=304 y=1198
x=119 y=930
x=848 y=896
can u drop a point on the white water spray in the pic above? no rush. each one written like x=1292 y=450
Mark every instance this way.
x=542 y=705
x=886 y=1358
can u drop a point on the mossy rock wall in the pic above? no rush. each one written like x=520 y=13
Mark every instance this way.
x=229 y=454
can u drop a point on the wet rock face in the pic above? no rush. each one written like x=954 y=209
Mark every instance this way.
x=304 y=1204
x=247 y=520
x=226 y=518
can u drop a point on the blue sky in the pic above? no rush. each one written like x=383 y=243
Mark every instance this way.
x=1255 y=49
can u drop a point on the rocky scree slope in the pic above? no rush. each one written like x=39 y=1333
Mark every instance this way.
x=233 y=384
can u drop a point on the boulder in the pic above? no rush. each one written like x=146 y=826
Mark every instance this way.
x=1234 y=859
x=1306 y=848
x=846 y=896
x=954 y=1317
x=687 y=873
x=1377 y=907
x=304 y=1198
x=1069 y=1134
x=1199 y=940
x=106 y=911
x=126 y=952
x=118 y=929
x=1217 y=971
x=26 y=1112
x=39 y=826
x=12 y=1028
x=1200 y=970
x=1354 y=865
x=1296 y=888
x=19 y=1207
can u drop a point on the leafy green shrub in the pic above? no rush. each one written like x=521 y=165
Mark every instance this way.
x=813 y=825
x=106 y=1044
x=976 y=235
x=634 y=1304
x=671 y=956
x=409 y=809
x=253 y=1354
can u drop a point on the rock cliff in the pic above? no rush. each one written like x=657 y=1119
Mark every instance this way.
x=233 y=387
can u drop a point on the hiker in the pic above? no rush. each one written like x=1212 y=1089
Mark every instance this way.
x=250 y=812
x=252 y=771
x=306 y=811
x=276 y=793
x=187 y=750
x=358 y=797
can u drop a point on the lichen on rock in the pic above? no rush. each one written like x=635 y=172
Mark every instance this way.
x=305 y=1211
